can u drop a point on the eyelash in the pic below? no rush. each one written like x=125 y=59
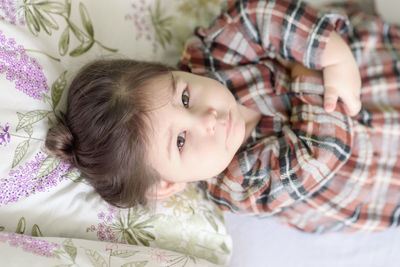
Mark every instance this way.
x=186 y=105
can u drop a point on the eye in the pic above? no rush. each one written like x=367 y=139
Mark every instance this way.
x=180 y=141
x=185 y=97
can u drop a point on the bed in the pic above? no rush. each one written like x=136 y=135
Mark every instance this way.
x=49 y=215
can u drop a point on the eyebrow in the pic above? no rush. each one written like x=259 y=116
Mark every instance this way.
x=169 y=150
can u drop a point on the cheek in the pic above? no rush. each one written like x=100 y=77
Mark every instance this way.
x=209 y=159
x=211 y=150
x=238 y=134
x=214 y=165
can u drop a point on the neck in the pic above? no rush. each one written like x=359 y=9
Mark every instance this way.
x=251 y=117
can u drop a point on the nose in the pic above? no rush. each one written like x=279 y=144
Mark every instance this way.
x=209 y=120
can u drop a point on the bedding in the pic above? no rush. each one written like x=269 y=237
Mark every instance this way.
x=48 y=213
x=53 y=251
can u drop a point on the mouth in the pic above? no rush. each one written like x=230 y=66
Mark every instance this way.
x=229 y=126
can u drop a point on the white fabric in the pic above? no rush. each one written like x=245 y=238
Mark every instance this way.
x=42 y=45
x=264 y=242
x=21 y=250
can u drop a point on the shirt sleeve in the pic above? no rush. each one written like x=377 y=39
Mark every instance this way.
x=252 y=30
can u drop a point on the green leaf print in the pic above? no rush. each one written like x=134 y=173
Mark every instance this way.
x=128 y=236
x=51 y=7
x=57 y=89
x=36 y=230
x=135 y=264
x=30 y=118
x=81 y=49
x=86 y=22
x=31 y=21
x=161 y=25
x=123 y=253
x=57 y=254
x=39 y=15
x=181 y=259
x=211 y=221
x=200 y=10
x=50 y=122
x=74 y=175
x=48 y=166
x=29 y=129
x=20 y=116
x=96 y=259
x=21 y=226
x=143 y=236
x=46 y=98
x=76 y=31
x=147 y=223
x=68 y=7
x=2 y=228
x=46 y=23
x=225 y=248
x=63 y=43
x=46 y=17
x=20 y=152
x=48 y=31
x=135 y=231
x=70 y=248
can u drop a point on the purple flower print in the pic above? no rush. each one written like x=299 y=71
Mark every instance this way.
x=104 y=229
x=21 y=182
x=8 y=12
x=160 y=257
x=142 y=21
x=21 y=69
x=4 y=135
x=104 y=233
x=30 y=244
x=118 y=228
x=101 y=215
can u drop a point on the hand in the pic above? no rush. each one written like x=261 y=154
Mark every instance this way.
x=342 y=80
x=341 y=76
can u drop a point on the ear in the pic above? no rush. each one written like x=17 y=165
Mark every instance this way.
x=164 y=189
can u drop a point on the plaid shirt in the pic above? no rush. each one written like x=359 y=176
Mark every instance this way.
x=315 y=171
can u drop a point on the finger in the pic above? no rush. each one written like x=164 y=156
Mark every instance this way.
x=330 y=99
x=352 y=104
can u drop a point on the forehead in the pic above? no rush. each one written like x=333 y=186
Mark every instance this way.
x=160 y=116
x=159 y=90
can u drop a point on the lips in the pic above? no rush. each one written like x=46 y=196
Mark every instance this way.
x=229 y=126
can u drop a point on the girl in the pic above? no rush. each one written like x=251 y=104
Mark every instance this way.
x=250 y=117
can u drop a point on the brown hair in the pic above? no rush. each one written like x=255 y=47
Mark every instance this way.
x=104 y=132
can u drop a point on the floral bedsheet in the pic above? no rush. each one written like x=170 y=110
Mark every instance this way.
x=44 y=199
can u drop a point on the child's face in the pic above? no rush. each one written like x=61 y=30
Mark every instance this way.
x=197 y=133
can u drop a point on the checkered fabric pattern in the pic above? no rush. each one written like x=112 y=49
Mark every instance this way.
x=316 y=171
